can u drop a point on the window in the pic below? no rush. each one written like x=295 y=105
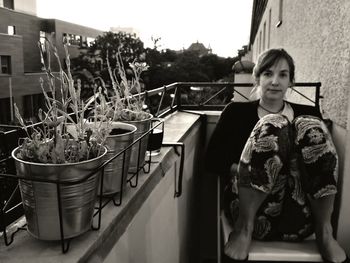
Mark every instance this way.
x=269 y=32
x=42 y=39
x=260 y=40
x=5 y=118
x=90 y=41
x=83 y=41
x=280 y=13
x=11 y=30
x=77 y=40
x=71 y=39
x=64 y=37
x=264 y=35
x=8 y=4
x=32 y=104
x=5 y=62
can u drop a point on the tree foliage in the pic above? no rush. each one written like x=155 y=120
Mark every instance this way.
x=94 y=59
x=165 y=66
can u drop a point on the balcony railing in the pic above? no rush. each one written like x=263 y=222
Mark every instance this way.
x=180 y=96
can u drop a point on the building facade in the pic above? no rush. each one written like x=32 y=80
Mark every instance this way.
x=317 y=35
x=20 y=33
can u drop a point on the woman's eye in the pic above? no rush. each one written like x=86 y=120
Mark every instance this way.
x=267 y=74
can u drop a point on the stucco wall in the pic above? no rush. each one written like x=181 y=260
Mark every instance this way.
x=317 y=34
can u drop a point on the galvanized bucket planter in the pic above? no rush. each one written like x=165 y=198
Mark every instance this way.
x=115 y=143
x=138 y=160
x=40 y=201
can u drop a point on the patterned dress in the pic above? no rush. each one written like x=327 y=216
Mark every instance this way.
x=288 y=161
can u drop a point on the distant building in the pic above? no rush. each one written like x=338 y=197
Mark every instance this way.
x=20 y=32
x=200 y=48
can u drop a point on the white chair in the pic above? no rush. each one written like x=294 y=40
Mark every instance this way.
x=305 y=251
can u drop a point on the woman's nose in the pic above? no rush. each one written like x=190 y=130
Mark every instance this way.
x=275 y=80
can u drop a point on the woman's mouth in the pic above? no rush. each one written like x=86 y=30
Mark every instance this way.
x=275 y=90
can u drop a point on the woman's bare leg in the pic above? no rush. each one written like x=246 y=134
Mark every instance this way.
x=237 y=246
x=329 y=248
x=320 y=162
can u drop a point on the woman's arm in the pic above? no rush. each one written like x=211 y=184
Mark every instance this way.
x=221 y=148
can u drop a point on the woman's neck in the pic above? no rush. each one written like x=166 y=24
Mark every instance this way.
x=271 y=106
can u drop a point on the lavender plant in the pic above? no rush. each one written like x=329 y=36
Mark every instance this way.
x=127 y=106
x=64 y=136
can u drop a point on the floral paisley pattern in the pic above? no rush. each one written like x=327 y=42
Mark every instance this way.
x=295 y=182
x=262 y=226
x=273 y=209
x=286 y=161
x=266 y=144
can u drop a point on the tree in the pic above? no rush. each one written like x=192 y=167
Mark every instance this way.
x=94 y=58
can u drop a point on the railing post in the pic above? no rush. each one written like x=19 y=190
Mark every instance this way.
x=178 y=96
x=317 y=96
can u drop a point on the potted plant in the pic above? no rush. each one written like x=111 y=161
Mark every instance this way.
x=129 y=105
x=50 y=153
x=120 y=137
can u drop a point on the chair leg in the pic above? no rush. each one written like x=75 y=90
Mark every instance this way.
x=218 y=223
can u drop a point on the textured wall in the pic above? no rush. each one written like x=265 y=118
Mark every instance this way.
x=317 y=34
x=12 y=46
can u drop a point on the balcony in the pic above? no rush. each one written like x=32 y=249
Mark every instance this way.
x=168 y=211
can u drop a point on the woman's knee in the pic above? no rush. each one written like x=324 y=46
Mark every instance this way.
x=265 y=152
x=269 y=134
x=312 y=137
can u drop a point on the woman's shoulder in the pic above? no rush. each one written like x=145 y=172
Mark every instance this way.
x=301 y=109
x=240 y=106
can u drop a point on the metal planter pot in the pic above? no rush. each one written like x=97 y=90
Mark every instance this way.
x=40 y=201
x=112 y=180
x=142 y=126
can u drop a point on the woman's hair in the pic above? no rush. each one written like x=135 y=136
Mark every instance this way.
x=268 y=58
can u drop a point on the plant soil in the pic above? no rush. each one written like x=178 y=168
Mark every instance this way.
x=118 y=131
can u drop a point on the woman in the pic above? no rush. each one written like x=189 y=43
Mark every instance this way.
x=279 y=165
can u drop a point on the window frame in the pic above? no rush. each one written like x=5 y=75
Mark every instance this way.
x=8 y=65
x=13 y=28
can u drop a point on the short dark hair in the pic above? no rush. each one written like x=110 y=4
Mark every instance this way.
x=268 y=58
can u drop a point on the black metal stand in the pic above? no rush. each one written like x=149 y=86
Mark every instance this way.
x=178 y=183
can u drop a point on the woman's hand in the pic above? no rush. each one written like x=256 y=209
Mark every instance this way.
x=234 y=169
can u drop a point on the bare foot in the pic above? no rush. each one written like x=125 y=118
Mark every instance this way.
x=237 y=246
x=329 y=247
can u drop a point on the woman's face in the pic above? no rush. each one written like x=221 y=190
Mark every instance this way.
x=275 y=81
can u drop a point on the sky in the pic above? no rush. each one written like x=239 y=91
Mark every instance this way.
x=224 y=25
